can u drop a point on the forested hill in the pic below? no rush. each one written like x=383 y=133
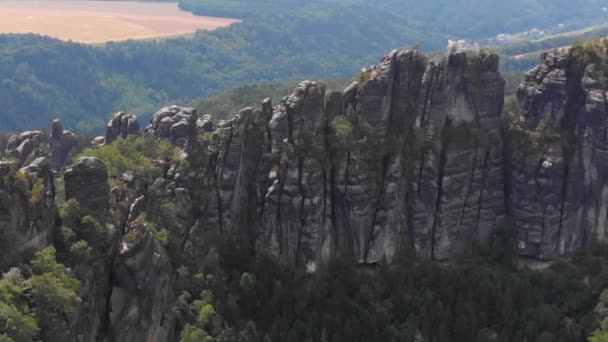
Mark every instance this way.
x=82 y=85
x=457 y=18
x=41 y=78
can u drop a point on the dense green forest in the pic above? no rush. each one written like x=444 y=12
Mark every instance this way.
x=42 y=78
x=487 y=295
x=457 y=18
x=483 y=297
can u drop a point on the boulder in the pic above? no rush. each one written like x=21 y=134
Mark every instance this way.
x=87 y=181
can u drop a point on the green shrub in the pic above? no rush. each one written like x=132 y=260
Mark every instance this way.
x=134 y=153
x=132 y=236
x=194 y=334
x=53 y=288
x=81 y=251
x=168 y=215
x=31 y=308
x=163 y=237
x=70 y=214
x=92 y=230
x=37 y=192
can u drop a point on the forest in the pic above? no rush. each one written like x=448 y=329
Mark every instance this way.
x=42 y=78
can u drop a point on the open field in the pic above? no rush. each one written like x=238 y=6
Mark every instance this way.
x=102 y=21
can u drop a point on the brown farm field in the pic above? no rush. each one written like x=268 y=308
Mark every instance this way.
x=95 y=22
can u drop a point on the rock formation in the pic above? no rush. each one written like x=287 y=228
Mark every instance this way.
x=27 y=211
x=29 y=145
x=87 y=182
x=142 y=295
x=62 y=143
x=414 y=156
x=407 y=157
x=120 y=126
x=22 y=145
x=173 y=123
x=557 y=153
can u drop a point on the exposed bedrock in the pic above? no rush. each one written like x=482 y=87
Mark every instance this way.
x=87 y=182
x=142 y=295
x=27 y=211
x=558 y=154
x=29 y=145
x=120 y=126
x=407 y=157
x=414 y=155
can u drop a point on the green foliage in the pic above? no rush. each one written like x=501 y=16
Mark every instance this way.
x=37 y=192
x=482 y=297
x=162 y=236
x=546 y=126
x=80 y=250
x=70 y=213
x=344 y=129
x=247 y=282
x=31 y=308
x=81 y=236
x=18 y=322
x=279 y=39
x=193 y=334
x=133 y=235
x=167 y=214
x=135 y=153
x=81 y=84
x=92 y=230
x=357 y=136
x=601 y=312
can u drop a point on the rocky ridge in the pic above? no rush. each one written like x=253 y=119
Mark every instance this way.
x=414 y=156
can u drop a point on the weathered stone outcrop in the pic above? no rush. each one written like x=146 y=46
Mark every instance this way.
x=87 y=181
x=414 y=156
x=407 y=157
x=458 y=195
x=557 y=180
x=22 y=145
x=142 y=295
x=173 y=122
x=120 y=126
x=27 y=211
x=61 y=144
x=29 y=145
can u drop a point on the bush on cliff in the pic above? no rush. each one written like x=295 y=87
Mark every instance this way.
x=143 y=155
x=36 y=307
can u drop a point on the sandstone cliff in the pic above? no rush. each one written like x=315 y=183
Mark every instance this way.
x=415 y=156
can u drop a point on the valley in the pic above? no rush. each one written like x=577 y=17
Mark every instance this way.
x=103 y=21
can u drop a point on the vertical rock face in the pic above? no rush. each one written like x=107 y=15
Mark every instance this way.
x=142 y=296
x=173 y=122
x=22 y=145
x=458 y=196
x=120 y=126
x=412 y=156
x=409 y=156
x=62 y=143
x=29 y=145
x=87 y=182
x=27 y=212
x=557 y=179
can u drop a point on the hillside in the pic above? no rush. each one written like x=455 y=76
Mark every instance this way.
x=140 y=75
x=403 y=207
x=43 y=78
